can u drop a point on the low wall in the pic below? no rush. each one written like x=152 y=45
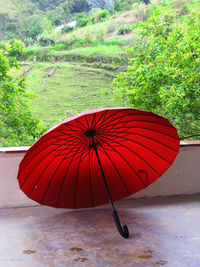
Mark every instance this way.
x=183 y=177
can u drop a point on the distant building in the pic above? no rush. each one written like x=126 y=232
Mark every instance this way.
x=71 y=24
x=104 y=4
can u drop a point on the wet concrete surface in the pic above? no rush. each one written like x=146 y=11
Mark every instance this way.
x=163 y=232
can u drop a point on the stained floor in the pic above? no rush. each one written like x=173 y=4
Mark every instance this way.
x=163 y=232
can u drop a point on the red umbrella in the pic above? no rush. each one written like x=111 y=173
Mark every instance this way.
x=98 y=156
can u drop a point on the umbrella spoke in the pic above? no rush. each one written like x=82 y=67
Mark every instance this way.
x=118 y=136
x=80 y=123
x=102 y=115
x=68 y=134
x=52 y=179
x=127 y=139
x=127 y=164
x=117 y=171
x=132 y=115
x=136 y=155
x=43 y=171
x=44 y=158
x=55 y=149
x=87 y=121
x=61 y=188
x=36 y=145
x=90 y=178
x=137 y=127
x=70 y=126
x=27 y=155
x=93 y=120
x=76 y=179
x=110 y=116
x=71 y=130
x=146 y=121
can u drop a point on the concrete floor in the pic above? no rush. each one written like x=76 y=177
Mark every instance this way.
x=163 y=232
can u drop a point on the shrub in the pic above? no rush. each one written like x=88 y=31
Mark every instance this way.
x=100 y=15
x=82 y=20
x=124 y=29
x=45 y=40
x=67 y=29
x=18 y=126
x=29 y=41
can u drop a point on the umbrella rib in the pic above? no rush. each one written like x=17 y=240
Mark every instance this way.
x=137 y=127
x=41 y=176
x=90 y=180
x=116 y=171
x=70 y=156
x=127 y=163
x=76 y=133
x=136 y=155
x=65 y=131
x=41 y=143
x=39 y=153
x=42 y=172
x=71 y=125
x=144 y=137
x=148 y=121
x=93 y=119
x=35 y=147
x=80 y=123
x=86 y=153
x=103 y=114
x=60 y=192
x=76 y=180
x=127 y=115
x=52 y=178
x=146 y=148
x=87 y=121
x=37 y=166
x=110 y=116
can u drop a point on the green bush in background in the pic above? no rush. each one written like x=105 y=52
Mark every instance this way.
x=18 y=126
x=164 y=71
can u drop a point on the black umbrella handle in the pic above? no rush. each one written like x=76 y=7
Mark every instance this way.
x=124 y=232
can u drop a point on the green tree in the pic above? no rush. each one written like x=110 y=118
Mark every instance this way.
x=32 y=25
x=18 y=126
x=67 y=9
x=79 y=6
x=164 y=72
x=82 y=20
x=46 y=26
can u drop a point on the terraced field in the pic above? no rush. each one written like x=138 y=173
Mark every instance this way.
x=70 y=90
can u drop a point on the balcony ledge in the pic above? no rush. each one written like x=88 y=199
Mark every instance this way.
x=23 y=149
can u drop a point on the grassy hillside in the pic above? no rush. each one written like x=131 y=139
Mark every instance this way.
x=69 y=91
x=8 y=7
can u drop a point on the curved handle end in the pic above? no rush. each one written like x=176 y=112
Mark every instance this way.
x=124 y=232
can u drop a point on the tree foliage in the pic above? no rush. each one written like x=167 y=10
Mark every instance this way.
x=164 y=71
x=18 y=126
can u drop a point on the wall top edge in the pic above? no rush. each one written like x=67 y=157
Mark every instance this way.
x=23 y=149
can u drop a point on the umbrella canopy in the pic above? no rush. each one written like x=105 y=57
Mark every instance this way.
x=129 y=148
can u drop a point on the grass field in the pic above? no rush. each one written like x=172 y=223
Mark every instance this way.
x=96 y=50
x=69 y=91
x=7 y=6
